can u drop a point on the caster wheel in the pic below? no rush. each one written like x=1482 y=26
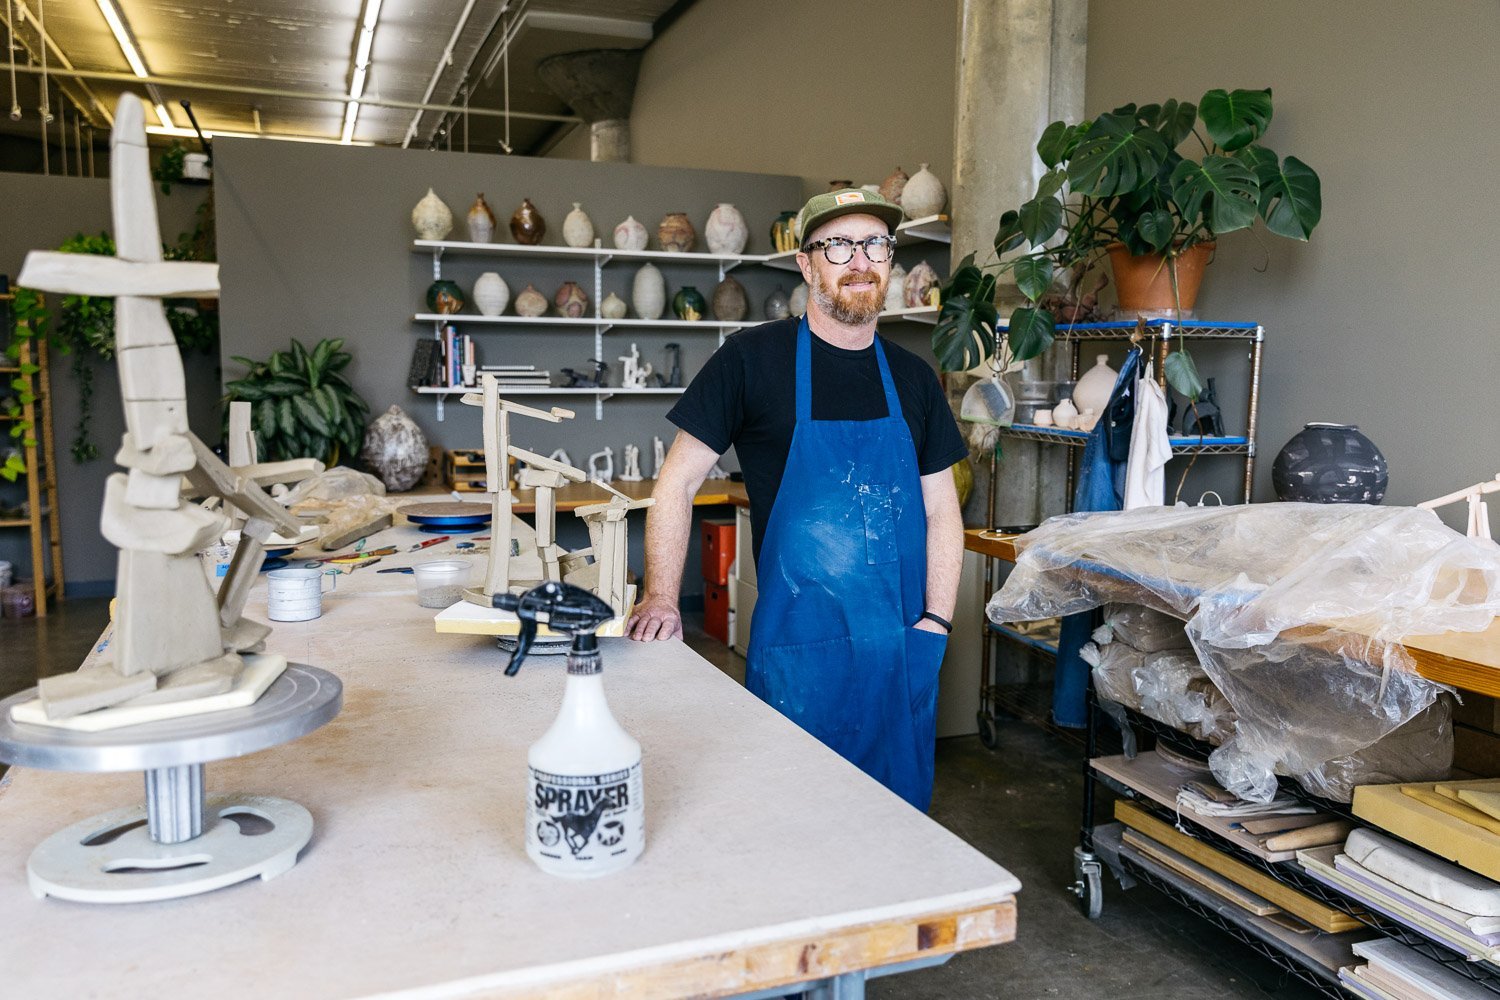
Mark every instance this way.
x=989 y=733
x=1088 y=884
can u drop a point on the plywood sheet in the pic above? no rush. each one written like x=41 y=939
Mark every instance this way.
x=1214 y=883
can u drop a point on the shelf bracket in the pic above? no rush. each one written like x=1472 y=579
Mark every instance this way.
x=437 y=263
x=440 y=400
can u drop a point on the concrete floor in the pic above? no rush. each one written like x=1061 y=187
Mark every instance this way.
x=1020 y=804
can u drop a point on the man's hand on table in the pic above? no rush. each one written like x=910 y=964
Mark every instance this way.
x=654 y=618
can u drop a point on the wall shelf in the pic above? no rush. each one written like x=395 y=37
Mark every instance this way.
x=442 y=392
x=587 y=322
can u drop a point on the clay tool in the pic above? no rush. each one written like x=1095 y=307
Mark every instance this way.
x=430 y=541
x=1321 y=835
x=396 y=569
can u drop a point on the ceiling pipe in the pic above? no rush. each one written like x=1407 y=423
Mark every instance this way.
x=23 y=14
x=294 y=95
x=599 y=85
x=519 y=17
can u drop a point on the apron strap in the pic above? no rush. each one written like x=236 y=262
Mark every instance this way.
x=804 y=375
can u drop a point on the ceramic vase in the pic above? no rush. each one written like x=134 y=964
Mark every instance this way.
x=688 y=304
x=613 y=307
x=895 y=288
x=481 y=221
x=648 y=292
x=784 y=232
x=491 y=294
x=923 y=194
x=1330 y=463
x=893 y=185
x=1096 y=386
x=431 y=218
x=630 y=235
x=531 y=303
x=527 y=224
x=726 y=231
x=578 y=228
x=920 y=281
x=730 y=303
x=445 y=297
x=571 y=301
x=675 y=233
x=395 y=449
x=776 y=305
x=798 y=302
x=1065 y=415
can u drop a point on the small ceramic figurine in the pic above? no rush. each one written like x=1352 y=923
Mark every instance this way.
x=658 y=456
x=602 y=465
x=634 y=374
x=632 y=473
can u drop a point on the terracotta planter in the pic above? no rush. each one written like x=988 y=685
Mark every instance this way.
x=1144 y=284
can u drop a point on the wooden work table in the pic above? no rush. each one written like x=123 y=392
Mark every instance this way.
x=1467 y=660
x=769 y=860
x=713 y=492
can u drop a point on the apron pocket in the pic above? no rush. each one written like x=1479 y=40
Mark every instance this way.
x=924 y=657
x=880 y=524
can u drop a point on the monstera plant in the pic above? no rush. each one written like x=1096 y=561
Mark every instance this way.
x=1146 y=179
x=304 y=405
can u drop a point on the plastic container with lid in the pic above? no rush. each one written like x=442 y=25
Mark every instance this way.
x=441 y=582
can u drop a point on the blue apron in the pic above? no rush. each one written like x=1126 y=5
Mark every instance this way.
x=843 y=577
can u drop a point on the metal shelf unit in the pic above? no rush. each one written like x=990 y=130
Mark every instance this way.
x=932 y=228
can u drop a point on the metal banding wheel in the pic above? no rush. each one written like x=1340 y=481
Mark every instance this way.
x=181 y=842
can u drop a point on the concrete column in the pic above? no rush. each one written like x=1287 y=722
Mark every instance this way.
x=1020 y=65
x=609 y=141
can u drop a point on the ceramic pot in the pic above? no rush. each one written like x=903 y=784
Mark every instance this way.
x=1330 y=463
x=798 y=302
x=675 y=233
x=920 y=282
x=1143 y=284
x=892 y=186
x=688 y=304
x=571 y=301
x=1096 y=386
x=431 y=218
x=839 y=185
x=923 y=194
x=531 y=303
x=648 y=292
x=776 y=305
x=395 y=449
x=613 y=307
x=630 y=235
x=895 y=288
x=527 y=224
x=726 y=231
x=1065 y=415
x=730 y=304
x=491 y=294
x=578 y=228
x=481 y=221
x=784 y=232
x=445 y=297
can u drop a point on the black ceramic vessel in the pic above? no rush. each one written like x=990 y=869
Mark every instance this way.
x=1330 y=463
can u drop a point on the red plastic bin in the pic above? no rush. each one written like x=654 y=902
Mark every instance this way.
x=716 y=611
x=717 y=544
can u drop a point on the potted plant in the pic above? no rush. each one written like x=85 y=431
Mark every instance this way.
x=1119 y=186
x=304 y=404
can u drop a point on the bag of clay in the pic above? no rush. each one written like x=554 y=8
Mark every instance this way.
x=1145 y=629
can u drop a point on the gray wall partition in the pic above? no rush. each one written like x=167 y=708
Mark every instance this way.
x=39 y=214
x=316 y=241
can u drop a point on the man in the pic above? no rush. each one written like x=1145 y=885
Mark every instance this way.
x=846 y=442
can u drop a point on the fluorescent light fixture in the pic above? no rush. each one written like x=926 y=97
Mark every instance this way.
x=361 y=67
x=187 y=133
x=117 y=25
x=161 y=112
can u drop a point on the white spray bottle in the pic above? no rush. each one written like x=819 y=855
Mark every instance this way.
x=585 y=811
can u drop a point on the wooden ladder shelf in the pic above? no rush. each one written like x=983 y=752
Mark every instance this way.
x=41 y=471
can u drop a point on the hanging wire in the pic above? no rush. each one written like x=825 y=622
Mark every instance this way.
x=10 y=24
x=41 y=25
x=78 y=141
x=46 y=162
x=465 y=92
x=91 y=150
x=506 y=144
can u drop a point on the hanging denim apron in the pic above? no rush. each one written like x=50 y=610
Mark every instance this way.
x=843 y=577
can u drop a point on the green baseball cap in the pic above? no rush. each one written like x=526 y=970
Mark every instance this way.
x=846 y=201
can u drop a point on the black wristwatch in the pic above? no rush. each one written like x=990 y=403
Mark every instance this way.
x=947 y=625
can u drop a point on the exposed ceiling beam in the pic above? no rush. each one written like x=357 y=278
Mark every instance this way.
x=90 y=107
x=296 y=95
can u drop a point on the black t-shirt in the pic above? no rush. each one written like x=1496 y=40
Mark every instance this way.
x=746 y=396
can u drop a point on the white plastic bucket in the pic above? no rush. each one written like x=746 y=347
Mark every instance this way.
x=296 y=595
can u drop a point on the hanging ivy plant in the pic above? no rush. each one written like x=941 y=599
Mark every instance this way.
x=84 y=326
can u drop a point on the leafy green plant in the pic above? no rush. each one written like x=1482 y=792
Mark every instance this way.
x=168 y=169
x=1121 y=179
x=27 y=322
x=304 y=405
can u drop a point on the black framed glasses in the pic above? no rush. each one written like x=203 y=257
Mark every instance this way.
x=839 y=250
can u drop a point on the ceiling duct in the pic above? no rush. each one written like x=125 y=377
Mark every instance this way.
x=599 y=84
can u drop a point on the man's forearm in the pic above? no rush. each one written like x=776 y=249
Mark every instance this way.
x=945 y=560
x=669 y=522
